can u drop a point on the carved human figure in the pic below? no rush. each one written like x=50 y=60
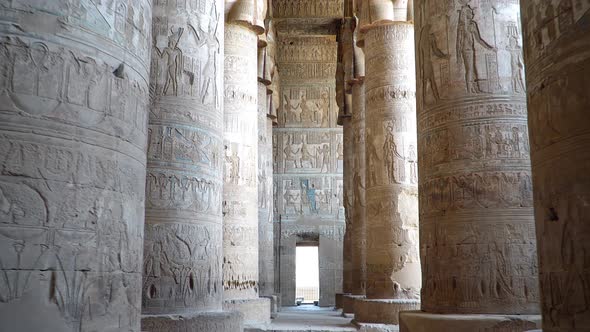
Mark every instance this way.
x=324 y=157
x=394 y=161
x=233 y=161
x=324 y=109
x=427 y=48
x=373 y=158
x=468 y=34
x=516 y=64
x=174 y=60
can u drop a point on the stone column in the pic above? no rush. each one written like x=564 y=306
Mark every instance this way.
x=393 y=264
x=265 y=185
x=240 y=191
x=73 y=128
x=182 y=278
x=558 y=68
x=476 y=218
x=347 y=244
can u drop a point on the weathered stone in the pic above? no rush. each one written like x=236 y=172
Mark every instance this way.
x=393 y=265
x=358 y=174
x=182 y=277
x=73 y=116
x=348 y=302
x=308 y=157
x=256 y=311
x=195 y=322
x=417 y=321
x=476 y=219
x=557 y=56
x=383 y=311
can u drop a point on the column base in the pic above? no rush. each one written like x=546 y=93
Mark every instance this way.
x=222 y=321
x=382 y=311
x=419 y=321
x=256 y=311
x=348 y=303
x=339 y=299
x=363 y=327
x=274 y=305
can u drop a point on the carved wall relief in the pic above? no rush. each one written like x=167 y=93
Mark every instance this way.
x=73 y=122
x=474 y=159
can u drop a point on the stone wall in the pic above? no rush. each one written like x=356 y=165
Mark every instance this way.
x=308 y=160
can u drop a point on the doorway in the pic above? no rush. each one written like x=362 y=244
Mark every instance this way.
x=307 y=274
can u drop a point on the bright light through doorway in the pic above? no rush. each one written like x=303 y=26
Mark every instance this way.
x=307 y=274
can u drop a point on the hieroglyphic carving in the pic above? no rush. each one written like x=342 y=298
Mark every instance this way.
x=185 y=161
x=72 y=163
x=306 y=107
x=391 y=194
x=473 y=154
x=240 y=191
x=307 y=8
x=558 y=64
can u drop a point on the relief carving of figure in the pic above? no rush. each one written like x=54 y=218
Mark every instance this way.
x=310 y=193
x=373 y=158
x=293 y=153
x=428 y=48
x=516 y=64
x=292 y=113
x=413 y=161
x=306 y=155
x=174 y=61
x=323 y=110
x=468 y=35
x=394 y=161
x=233 y=163
x=324 y=158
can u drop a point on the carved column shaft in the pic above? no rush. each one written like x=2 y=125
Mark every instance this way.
x=347 y=175
x=358 y=175
x=558 y=66
x=476 y=222
x=392 y=258
x=265 y=222
x=184 y=180
x=393 y=266
x=240 y=193
x=73 y=115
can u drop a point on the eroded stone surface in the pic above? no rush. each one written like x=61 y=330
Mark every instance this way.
x=73 y=127
x=558 y=67
x=197 y=322
x=393 y=264
x=240 y=190
x=183 y=233
x=476 y=222
x=417 y=321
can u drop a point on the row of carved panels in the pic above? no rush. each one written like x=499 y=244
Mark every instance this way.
x=125 y=23
x=307 y=106
x=70 y=87
x=314 y=151
x=311 y=196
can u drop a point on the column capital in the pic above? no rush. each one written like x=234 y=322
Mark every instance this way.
x=248 y=12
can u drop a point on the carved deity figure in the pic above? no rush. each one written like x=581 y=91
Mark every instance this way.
x=306 y=155
x=394 y=161
x=306 y=114
x=516 y=64
x=292 y=113
x=233 y=162
x=428 y=48
x=174 y=61
x=372 y=158
x=413 y=161
x=468 y=35
x=323 y=110
x=293 y=153
x=324 y=157
x=310 y=193
x=209 y=86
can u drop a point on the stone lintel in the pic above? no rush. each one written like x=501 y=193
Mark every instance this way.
x=382 y=311
x=419 y=321
x=223 y=321
x=256 y=311
x=348 y=301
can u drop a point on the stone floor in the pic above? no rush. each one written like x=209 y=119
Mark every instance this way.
x=309 y=318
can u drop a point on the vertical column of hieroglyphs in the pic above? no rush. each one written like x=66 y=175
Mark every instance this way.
x=183 y=231
x=244 y=21
x=476 y=217
x=73 y=115
x=558 y=67
x=265 y=225
x=393 y=264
